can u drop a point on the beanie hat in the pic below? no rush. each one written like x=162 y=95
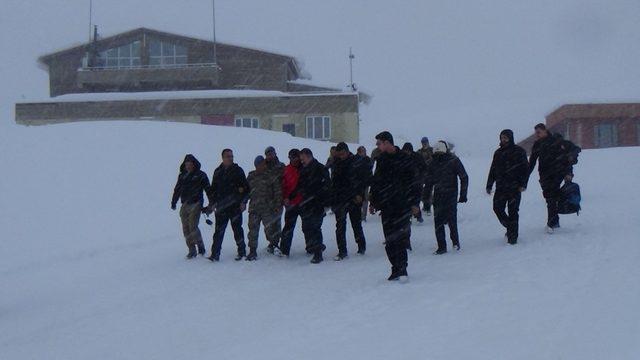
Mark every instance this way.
x=425 y=140
x=440 y=147
x=269 y=149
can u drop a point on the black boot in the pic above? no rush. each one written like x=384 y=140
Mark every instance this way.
x=317 y=257
x=201 y=249
x=362 y=248
x=192 y=253
x=440 y=252
x=253 y=255
x=214 y=257
x=271 y=249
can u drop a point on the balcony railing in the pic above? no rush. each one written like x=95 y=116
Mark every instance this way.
x=138 y=76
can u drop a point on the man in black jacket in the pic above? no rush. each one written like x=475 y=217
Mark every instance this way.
x=553 y=168
x=191 y=183
x=443 y=172
x=510 y=172
x=348 y=185
x=396 y=194
x=365 y=163
x=313 y=185
x=229 y=196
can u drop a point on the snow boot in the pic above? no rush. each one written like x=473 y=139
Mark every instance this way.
x=253 y=255
x=192 y=253
x=201 y=249
x=271 y=249
x=398 y=275
x=214 y=258
x=362 y=248
x=440 y=252
x=317 y=258
x=340 y=257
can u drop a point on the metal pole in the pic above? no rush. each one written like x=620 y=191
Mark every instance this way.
x=215 y=52
x=90 y=19
x=351 y=57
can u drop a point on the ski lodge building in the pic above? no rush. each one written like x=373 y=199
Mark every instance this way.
x=146 y=74
x=594 y=126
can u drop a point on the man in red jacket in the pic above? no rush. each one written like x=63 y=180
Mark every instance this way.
x=291 y=200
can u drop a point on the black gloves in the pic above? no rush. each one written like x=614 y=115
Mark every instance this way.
x=173 y=206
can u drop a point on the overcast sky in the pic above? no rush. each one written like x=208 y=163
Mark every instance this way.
x=501 y=62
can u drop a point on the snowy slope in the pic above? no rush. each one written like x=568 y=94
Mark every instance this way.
x=92 y=264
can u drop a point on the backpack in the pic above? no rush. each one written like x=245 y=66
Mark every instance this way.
x=571 y=151
x=569 y=199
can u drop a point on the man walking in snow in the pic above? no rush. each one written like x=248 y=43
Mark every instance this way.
x=421 y=167
x=192 y=182
x=365 y=163
x=313 y=185
x=510 y=172
x=426 y=151
x=229 y=195
x=396 y=194
x=292 y=198
x=276 y=170
x=348 y=185
x=443 y=172
x=265 y=206
x=553 y=169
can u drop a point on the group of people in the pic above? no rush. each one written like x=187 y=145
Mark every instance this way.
x=392 y=182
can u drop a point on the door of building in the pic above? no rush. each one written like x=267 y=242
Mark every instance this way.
x=289 y=128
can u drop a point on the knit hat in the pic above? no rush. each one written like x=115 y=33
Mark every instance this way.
x=269 y=149
x=259 y=160
x=425 y=140
x=440 y=147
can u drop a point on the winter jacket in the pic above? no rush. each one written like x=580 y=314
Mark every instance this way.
x=348 y=180
x=276 y=168
x=509 y=168
x=290 y=179
x=314 y=184
x=190 y=185
x=443 y=172
x=552 y=160
x=426 y=153
x=229 y=187
x=265 y=193
x=420 y=164
x=395 y=186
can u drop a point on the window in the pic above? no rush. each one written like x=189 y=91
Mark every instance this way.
x=163 y=53
x=606 y=135
x=248 y=122
x=319 y=127
x=121 y=57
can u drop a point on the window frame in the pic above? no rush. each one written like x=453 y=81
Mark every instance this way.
x=310 y=123
x=168 y=54
x=114 y=58
x=239 y=122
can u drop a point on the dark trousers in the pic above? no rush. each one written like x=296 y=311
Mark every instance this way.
x=551 y=192
x=397 y=234
x=354 y=212
x=290 y=219
x=427 y=196
x=312 y=228
x=446 y=212
x=222 y=219
x=511 y=201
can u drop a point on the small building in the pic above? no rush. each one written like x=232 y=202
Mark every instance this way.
x=146 y=74
x=594 y=126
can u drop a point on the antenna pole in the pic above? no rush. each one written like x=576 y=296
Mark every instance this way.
x=90 y=19
x=352 y=85
x=215 y=52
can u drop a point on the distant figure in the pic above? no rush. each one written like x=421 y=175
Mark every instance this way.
x=229 y=195
x=443 y=172
x=313 y=184
x=553 y=168
x=331 y=160
x=421 y=167
x=265 y=206
x=395 y=193
x=367 y=165
x=348 y=185
x=510 y=172
x=427 y=193
x=192 y=182
x=292 y=199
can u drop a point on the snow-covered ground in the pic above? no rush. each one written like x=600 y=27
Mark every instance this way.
x=92 y=264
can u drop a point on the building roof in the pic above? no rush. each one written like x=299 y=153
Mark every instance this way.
x=578 y=111
x=82 y=48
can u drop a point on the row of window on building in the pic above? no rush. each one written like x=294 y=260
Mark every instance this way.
x=161 y=53
x=317 y=127
x=604 y=134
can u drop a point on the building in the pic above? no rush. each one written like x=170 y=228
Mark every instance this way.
x=594 y=126
x=146 y=74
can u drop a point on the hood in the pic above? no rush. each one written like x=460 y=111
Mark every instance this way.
x=508 y=133
x=190 y=157
x=407 y=147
